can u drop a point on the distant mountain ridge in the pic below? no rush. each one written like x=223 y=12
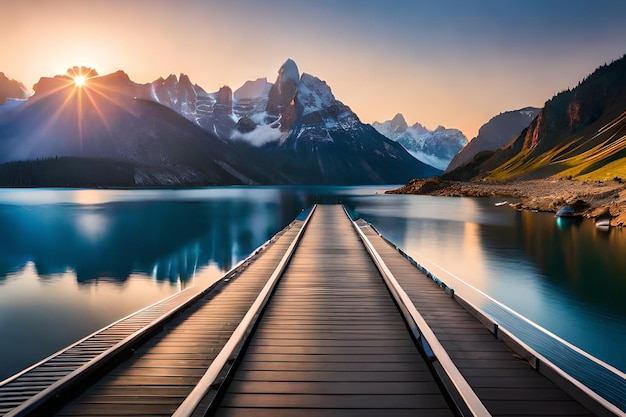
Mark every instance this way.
x=496 y=133
x=172 y=132
x=308 y=136
x=11 y=89
x=434 y=147
x=298 y=128
x=107 y=122
x=579 y=133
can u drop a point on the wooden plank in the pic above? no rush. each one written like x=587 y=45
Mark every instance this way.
x=537 y=407
x=325 y=376
x=334 y=366
x=332 y=337
x=520 y=394
x=497 y=376
x=378 y=401
x=118 y=410
x=162 y=372
x=327 y=412
x=380 y=358
x=509 y=382
x=145 y=390
x=329 y=350
x=312 y=387
x=328 y=335
x=352 y=342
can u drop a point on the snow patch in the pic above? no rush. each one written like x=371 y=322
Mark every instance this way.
x=314 y=94
x=153 y=94
x=12 y=103
x=259 y=118
x=433 y=147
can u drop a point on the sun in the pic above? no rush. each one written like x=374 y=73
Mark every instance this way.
x=80 y=76
x=80 y=80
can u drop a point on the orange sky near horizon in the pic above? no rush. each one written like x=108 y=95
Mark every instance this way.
x=453 y=63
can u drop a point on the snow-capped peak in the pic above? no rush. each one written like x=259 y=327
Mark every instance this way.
x=282 y=94
x=398 y=123
x=314 y=94
x=434 y=147
x=288 y=71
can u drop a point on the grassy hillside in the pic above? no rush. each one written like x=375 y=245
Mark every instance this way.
x=579 y=134
x=597 y=153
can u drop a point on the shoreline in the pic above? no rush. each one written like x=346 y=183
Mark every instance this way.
x=590 y=199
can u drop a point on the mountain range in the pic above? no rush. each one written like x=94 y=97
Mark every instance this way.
x=115 y=132
x=433 y=147
x=11 y=89
x=580 y=133
x=494 y=134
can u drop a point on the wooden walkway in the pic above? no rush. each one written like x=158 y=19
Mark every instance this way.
x=331 y=341
x=40 y=388
x=505 y=384
x=162 y=372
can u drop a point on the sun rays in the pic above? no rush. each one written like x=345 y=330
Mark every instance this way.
x=81 y=97
x=80 y=80
x=80 y=75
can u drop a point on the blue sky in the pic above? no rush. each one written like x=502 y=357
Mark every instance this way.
x=446 y=62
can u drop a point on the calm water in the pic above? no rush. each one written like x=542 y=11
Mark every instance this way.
x=72 y=261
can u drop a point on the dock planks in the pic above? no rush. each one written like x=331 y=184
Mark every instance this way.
x=162 y=372
x=332 y=342
x=506 y=385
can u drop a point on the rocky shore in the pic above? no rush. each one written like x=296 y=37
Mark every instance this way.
x=592 y=199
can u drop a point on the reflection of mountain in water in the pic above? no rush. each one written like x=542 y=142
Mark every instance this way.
x=168 y=240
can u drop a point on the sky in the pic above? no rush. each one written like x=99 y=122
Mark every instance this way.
x=455 y=63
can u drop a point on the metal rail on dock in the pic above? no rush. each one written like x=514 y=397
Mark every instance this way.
x=577 y=389
x=470 y=404
x=204 y=395
x=201 y=398
x=66 y=369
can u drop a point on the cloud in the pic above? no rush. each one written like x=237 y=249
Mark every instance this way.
x=260 y=136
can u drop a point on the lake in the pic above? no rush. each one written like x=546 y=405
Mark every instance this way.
x=75 y=260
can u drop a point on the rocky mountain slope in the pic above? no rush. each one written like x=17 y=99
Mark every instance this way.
x=11 y=89
x=579 y=133
x=172 y=132
x=295 y=129
x=496 y=133
x=103 y=120
x=307 y=136
x=433 y=147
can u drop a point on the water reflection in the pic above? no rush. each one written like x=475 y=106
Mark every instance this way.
x=73 y=261
x=579 y=258
x=110 y=242
x=168 y=240
x=89 y=257
x=566 y=275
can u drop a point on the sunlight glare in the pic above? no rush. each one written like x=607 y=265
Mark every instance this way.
x=80 y=80
x=87 y=197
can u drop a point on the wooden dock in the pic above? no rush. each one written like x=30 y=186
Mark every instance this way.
x=328 y=319
x=332 y=342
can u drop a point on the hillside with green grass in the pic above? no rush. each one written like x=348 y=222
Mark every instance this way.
x=579 y=133
x=598 y=153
